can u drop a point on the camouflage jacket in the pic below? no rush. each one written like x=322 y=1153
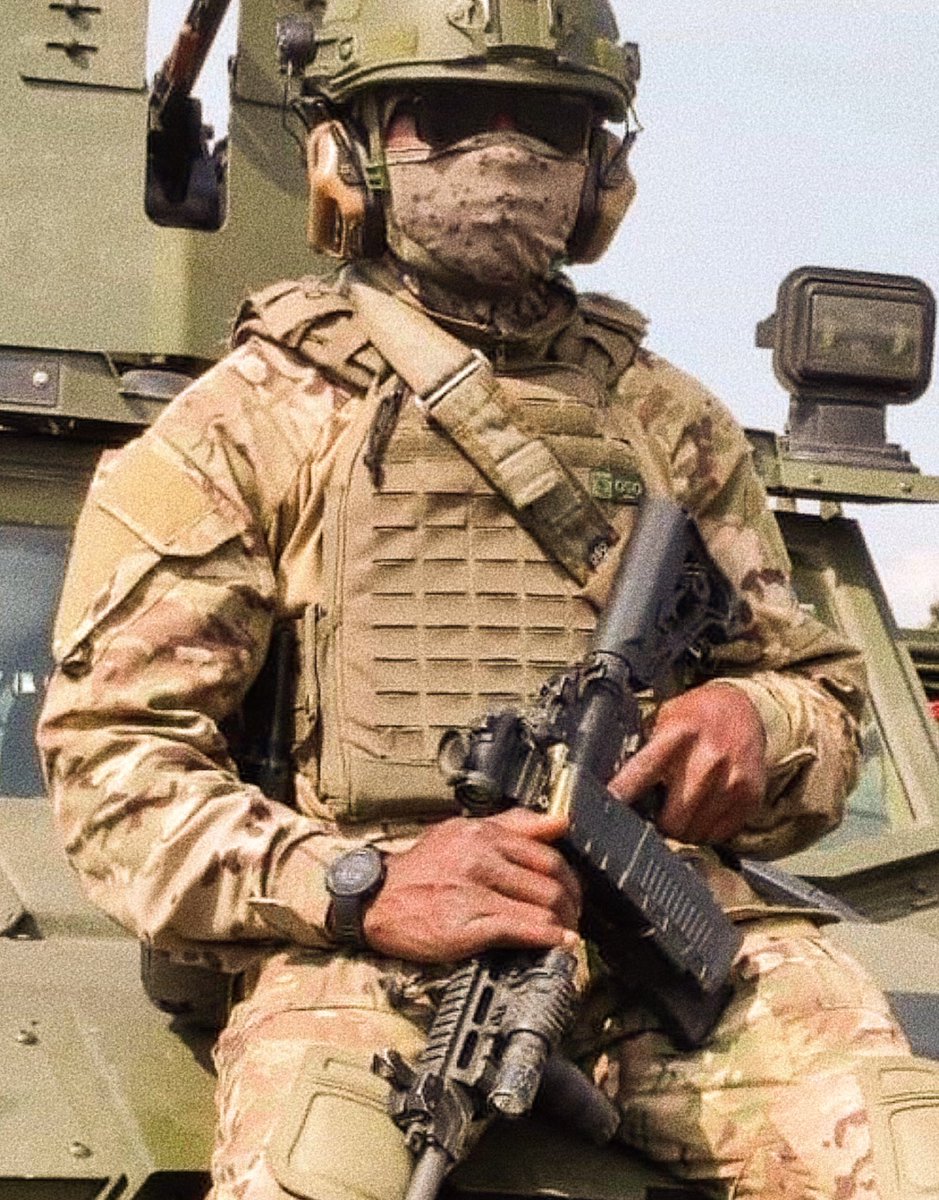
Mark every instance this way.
x=200 y=534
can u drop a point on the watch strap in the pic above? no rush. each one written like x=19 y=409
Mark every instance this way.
x=348 y=901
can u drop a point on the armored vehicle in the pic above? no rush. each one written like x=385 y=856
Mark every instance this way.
x=102 y=1094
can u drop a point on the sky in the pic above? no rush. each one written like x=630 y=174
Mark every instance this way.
x=776 y=134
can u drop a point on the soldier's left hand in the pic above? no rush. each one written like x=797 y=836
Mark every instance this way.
x=708 y=749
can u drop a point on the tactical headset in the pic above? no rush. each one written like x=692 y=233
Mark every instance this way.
x=347 y=194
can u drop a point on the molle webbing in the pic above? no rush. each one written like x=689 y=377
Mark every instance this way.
x=459 y=392
x=436 y=600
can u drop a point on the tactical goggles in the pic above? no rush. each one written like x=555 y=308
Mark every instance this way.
x=445 y=114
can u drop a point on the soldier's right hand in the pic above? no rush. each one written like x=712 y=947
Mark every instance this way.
x=469 y=885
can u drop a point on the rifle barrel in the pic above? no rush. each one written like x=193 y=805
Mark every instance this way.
x=430 y=1170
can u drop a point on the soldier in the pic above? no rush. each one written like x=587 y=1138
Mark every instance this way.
x=357 y=467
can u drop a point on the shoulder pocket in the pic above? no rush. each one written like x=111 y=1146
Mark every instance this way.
x=143 y=507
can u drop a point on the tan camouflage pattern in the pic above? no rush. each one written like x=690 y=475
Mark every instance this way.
x=771 y=1106
x=201 y=534
x=297 y=1000
x=164 y=835
x=211 y=525
x=807 y=684
x=773 y=1102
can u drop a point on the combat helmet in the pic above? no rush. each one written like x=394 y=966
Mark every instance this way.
x=341 y=54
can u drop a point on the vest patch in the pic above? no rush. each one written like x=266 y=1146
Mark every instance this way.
x=616 y=485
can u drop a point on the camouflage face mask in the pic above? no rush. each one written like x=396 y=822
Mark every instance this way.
x=495 y=210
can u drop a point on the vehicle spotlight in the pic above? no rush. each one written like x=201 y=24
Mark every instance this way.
x=845 y=345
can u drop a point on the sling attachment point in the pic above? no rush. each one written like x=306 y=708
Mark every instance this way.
x=475 y=362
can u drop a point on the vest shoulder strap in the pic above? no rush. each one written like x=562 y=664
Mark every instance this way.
x=614 y=315
x=458 y=391
x=604 y=338
x=314 y=318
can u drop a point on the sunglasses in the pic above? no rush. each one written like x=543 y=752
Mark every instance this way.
x=444 y=114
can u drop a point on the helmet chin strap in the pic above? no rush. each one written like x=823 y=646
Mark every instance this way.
x=609 y=190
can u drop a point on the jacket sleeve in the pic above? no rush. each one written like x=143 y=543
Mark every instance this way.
x=806 y=680
x=166 y=613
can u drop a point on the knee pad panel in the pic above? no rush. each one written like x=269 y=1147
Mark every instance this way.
x=903 y=1102
x=336 y=1140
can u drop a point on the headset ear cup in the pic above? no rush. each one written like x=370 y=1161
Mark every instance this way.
x=609 y=190
x=344 y=218
x=336 y=206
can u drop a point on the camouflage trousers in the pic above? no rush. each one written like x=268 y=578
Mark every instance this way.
x=771 y=1106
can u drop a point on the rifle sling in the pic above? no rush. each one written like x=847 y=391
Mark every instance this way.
x=458 y=391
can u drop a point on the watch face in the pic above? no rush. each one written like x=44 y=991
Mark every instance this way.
x=355 y=873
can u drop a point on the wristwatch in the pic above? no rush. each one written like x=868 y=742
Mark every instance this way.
x=352 y=880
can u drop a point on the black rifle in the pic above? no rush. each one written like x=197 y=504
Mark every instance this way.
x=649 y=913
x=651 y=916
x=490 y=1050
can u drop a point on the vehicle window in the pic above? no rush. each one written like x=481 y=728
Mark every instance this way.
x=32 y=562
x=878 y=800
x=867 y=814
